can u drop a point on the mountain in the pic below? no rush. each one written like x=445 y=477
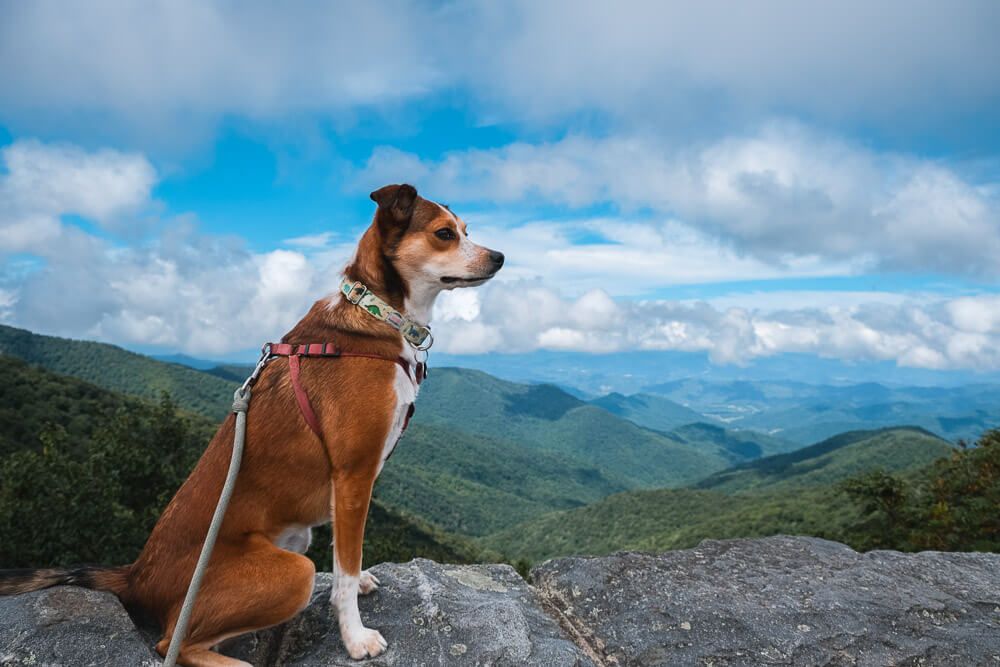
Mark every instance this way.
x=453 y=477
x=185 y=360
x=895 y=449
x=789 y=493
x=32 y=399
x=89 y=435
x=634 y=371
x=654 y=412
x=119 y=370
x=546 y=419
x=739 y=444
x=806 y=413
x=474 y=485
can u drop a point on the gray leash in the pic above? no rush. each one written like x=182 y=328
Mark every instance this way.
x=241 y=403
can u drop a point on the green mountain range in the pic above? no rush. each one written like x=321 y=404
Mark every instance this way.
x=526 y=470
x=807 y=413
x=791 y=493
x=119 y=370
x=54 y=428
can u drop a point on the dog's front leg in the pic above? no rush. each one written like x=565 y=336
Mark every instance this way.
x=352 y=494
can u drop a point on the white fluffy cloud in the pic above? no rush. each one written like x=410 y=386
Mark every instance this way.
x=178 y=289
x=784 y=196
x=927 y=332
x=43 y=183
x=175 y=288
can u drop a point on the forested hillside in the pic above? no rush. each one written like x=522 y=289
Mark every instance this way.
x=121 y=371
x=85 y=473
x=798 y=493
x=529 y=471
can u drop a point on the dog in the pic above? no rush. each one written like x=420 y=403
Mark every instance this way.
x=301 y=470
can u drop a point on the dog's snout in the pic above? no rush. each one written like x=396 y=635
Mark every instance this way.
x=496 y=258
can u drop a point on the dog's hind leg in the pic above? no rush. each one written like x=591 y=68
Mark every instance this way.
x=247 y=587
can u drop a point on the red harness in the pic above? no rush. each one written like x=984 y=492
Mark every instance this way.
x=295 y=352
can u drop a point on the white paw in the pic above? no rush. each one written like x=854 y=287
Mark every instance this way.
x=365 y=643
x=368 y=582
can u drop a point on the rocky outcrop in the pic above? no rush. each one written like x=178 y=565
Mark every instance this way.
x=780 y=601
x=70 y=626
x=431 y=614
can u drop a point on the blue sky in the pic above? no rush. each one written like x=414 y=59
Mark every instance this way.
x=738 y=182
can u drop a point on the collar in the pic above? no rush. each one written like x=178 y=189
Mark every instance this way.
x=415 y=334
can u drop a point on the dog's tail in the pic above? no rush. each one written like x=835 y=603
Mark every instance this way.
x=97 y=577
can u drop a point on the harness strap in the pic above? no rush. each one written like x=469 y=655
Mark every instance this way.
x=295 y=352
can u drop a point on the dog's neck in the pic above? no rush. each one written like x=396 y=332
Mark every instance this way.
x=376 y=272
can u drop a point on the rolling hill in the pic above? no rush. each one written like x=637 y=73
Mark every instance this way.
x=547 y=419
x=34 y=400
x=654 y=412
x=791 y=493
x=454 y=476
x=460 y=481
x=897 y=449
x=121 y=371
x=807 y=413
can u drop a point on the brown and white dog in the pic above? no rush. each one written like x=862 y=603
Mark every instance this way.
x=290 y=479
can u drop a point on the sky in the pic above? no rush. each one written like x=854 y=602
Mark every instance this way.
x=736 y=180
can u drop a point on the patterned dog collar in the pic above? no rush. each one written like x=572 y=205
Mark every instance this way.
x=416 y=334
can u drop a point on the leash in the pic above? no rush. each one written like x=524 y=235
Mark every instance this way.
x=241 y=403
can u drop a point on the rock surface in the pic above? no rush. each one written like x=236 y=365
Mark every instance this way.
x=780 y=601
x=430 y=614
x=70 y=626
x=774 y=601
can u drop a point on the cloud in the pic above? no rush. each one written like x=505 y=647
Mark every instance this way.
x=629 y=256
x=180 y=289
x=928 y=333
x=669 y=65
x=42 y=182
x=675 y=65
x=176 y=288
x=172 y=64
x=782 y=196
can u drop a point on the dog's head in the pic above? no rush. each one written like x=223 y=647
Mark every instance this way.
x=429 y=245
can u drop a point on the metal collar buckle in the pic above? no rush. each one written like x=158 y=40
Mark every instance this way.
x=358 y=291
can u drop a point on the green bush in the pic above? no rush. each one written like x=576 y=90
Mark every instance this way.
x=951 y=505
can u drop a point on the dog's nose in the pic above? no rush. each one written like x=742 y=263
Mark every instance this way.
x=496 y=258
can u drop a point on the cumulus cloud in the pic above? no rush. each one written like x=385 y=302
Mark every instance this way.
x=783 y=196
x=180 y=289
x=932 y=333
x=176 y=288
x=43 y=182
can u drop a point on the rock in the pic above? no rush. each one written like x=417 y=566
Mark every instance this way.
x=70 y=626
x=774 y=601
x=782 y=601
x=430 y=614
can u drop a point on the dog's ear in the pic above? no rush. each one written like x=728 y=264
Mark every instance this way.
x=397 y=200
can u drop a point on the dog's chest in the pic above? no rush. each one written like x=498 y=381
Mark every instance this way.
x=404 y=390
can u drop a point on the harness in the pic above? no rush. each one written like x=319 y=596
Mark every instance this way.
x=328 y=350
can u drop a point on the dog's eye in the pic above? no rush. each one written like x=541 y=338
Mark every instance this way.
x=445 y=234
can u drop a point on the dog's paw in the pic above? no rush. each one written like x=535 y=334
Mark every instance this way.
x=368 y=582
x=365 y=643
